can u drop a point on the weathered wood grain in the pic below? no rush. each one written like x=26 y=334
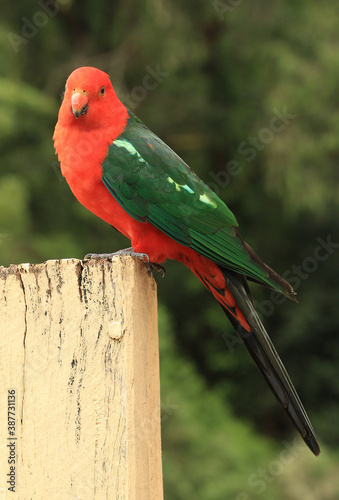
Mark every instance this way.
x=79 y=345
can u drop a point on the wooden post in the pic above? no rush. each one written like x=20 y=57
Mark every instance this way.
x=79 y=374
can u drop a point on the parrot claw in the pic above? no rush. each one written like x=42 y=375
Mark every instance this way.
x=128 y=251
x=125 y=251
x=158 y=267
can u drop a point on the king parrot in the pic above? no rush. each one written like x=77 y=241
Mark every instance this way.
x=122 y=172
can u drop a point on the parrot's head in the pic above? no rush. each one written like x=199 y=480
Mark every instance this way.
x=90 y=100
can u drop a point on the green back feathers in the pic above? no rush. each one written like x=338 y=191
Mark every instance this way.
x=152 y=183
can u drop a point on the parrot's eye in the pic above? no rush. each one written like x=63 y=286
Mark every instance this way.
x=102 y=91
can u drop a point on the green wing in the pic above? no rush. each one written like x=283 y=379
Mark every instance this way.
x=152 y=183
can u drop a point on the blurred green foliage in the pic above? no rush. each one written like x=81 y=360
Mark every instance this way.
x=227 y=70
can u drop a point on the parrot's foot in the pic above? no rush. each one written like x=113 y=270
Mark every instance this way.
x=125 y=251
x=130 y=252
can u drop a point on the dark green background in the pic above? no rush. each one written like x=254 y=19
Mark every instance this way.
x=224 y=69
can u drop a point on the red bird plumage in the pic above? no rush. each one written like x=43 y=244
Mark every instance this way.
x=128 y=177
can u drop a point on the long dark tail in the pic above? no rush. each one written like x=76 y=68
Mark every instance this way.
x=267 y=359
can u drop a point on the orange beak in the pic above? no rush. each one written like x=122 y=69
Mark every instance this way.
x=79 y=103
